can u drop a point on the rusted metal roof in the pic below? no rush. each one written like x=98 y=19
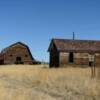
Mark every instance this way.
x=64 y=45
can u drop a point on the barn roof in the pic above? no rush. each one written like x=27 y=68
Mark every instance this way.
x=7 y=48
x=65 y=45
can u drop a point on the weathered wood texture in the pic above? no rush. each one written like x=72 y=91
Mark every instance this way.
x=66 y=51
x=79 y=58
x=18 y=50
x=64 y=58
x=54 y=59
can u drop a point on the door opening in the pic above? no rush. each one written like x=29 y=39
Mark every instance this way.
x=19 y=60
x=71 y=57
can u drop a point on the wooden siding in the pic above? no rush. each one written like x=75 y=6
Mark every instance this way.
x=73 y=51
x=15 y=51
x=64 y=58
x=79 y=58
x=54 y=59
x=97 y=58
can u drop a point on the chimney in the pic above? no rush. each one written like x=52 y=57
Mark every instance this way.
x=73 y=36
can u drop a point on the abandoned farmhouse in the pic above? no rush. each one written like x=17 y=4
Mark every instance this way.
x=18 y=53
x=67 y=51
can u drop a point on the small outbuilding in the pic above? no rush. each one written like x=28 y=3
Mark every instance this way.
x=76 y=52
x=17 y=53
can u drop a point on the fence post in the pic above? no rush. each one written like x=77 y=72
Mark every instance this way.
x=92 y=64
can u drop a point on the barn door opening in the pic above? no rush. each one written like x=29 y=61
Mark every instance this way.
x=19 y=60
x=71 y=57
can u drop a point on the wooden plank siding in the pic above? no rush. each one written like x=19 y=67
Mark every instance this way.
x=65 y=51
x=11 y=53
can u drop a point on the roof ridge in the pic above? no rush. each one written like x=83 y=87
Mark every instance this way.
x=76 y=45
x=75 y=39
x=6 y=48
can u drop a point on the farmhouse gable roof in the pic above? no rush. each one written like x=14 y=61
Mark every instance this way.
x=65 y=45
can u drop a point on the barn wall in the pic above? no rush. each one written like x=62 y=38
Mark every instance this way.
x=17 y=51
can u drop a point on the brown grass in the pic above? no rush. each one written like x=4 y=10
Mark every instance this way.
x=37 y=83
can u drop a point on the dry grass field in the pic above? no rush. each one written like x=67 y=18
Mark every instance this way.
x=24 y=82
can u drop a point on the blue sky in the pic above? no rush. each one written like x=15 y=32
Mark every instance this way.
x=36 y=22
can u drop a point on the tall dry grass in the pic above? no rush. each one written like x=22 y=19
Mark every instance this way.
x=37 y=83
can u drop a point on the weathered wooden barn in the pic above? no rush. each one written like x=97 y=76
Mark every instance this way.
x=75 y=52
x=18 y=53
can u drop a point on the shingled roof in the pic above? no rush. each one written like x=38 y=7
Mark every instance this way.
x=65 y=45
